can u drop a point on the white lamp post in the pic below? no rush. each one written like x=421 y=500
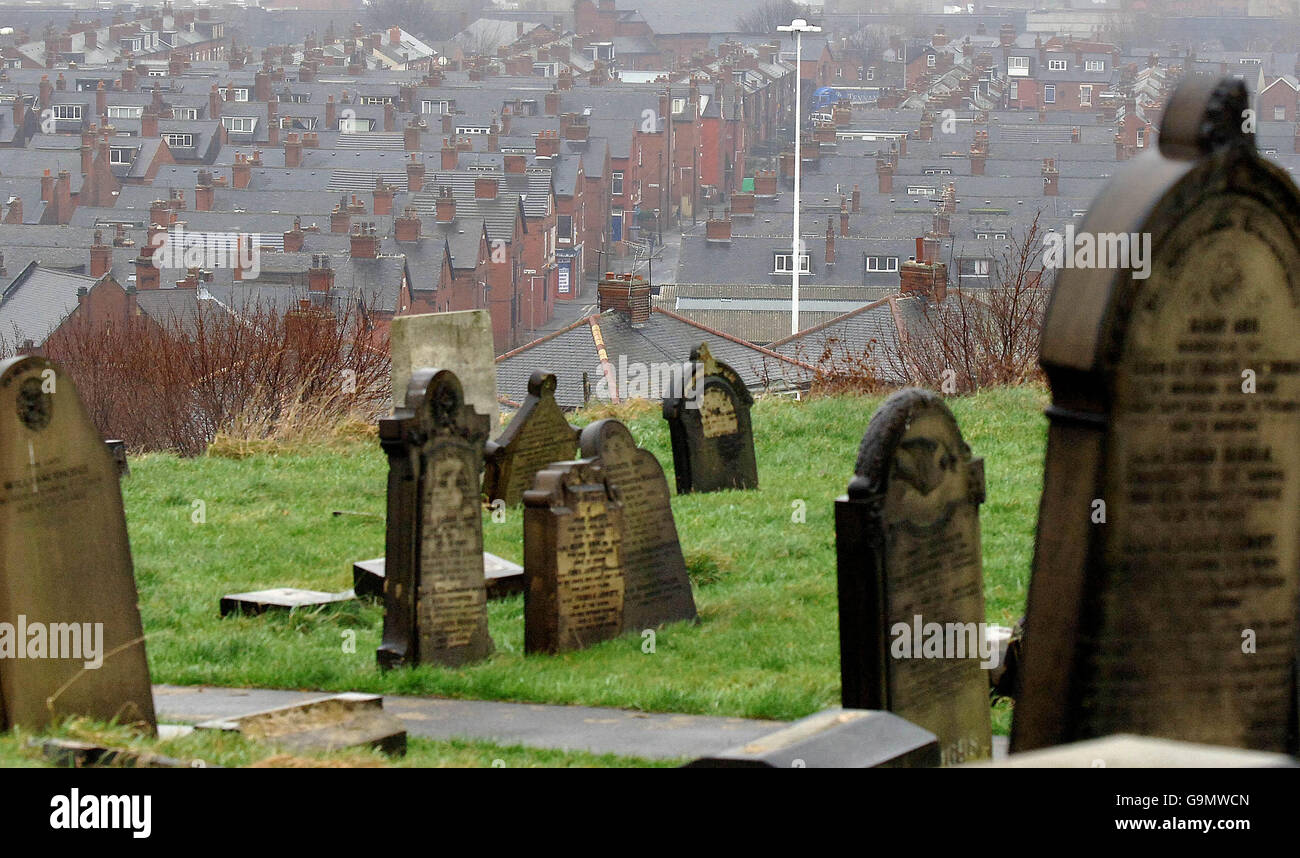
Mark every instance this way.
x=798 y=26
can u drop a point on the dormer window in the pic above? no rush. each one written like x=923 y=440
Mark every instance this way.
x=782 y=263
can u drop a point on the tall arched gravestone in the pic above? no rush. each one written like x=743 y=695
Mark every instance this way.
x=435 y=600
x=657 y=588
x=910 y=574
x=537 y=435
x=66 y=579
x=573 y=559
x=708 y=422
x=1169 y=530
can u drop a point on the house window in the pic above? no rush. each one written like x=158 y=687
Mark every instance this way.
x=931 y=59
x=298 y=97
x=179 y=141
x=564 y=227
x=919 y=191
x=993 y=235
x=1250 y=61
x=354 y=125
x=616 y=183
x=239 y=124
x=1017 y=66
x=471 y=129
x=839 y=73
x=232 y=93
x=376 y=99
x=1279 y=113
x=782 y=263
x=67 y=111
x=160 y=73
x=1014 y=93
x=120 y=156
x=1049 y=94
x=882 y=263
x=1094 y=65
x=125 y=112
x=937 y=171
x=1057 y=65
x=679 y=105
x=974 y=268
x=437 y=108
x=871 y=74
x=1085 y=95
x=298 y=123
x=185 y=113
x=1142 y=138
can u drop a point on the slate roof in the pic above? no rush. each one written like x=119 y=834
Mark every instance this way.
x=665 y=338
x=37 y=301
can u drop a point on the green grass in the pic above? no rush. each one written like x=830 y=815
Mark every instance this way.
x=766 y=645
x=218 y=748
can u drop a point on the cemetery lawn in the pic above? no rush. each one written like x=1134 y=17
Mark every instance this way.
x=216 y=748
x=766 y=645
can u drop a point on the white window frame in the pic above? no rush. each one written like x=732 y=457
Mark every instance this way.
x=124 y=111
x=931 y=60
x=67 y=111
x=1094 y=65
x=120 y=155
x=1085 y=95
x=1017 y=66
x=229 y=122
x=616 y=183
x=1279 y=112
x=980 y=266
x=920 y=191
x=177 y=140
x=435 y=107
x=185 y=113
x=238 y=93
x=874 y=264
x=1058 y=65
x=1049 y=93
x=781 y=263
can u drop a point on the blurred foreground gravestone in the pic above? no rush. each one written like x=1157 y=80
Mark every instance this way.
x=1167 y=565
x=435 y=603
x=835 y=739
x=71 y=640
x=911 y=585
x=708 y=421
x=458 y=341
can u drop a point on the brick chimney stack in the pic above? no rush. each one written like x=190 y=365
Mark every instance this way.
x=293 y=237
x=383 y=203
x=628 y=294
x=979 y=153
x=101 y=256
x=341 y=218
x=204 y=194
x=450 y=155
x=407 y=227
x=241 y=172
x=1051 y=177
x=857 y=200
x=411 y=136
x=921 y=275
x=830 y=241
x=546 y=144
x=718 y=230
x=445 y=207
x=414 y=174
x=320 y=277
x=844 y=216
x=293 y=151
x=365 y=242
x=885 y=175
x=485 y=187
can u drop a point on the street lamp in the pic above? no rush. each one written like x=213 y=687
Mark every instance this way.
x=798 y=26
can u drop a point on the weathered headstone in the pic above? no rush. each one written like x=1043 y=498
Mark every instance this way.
x=71 y=641
x=435 y=604
x=537 y=435
x=911 y=596
x=657 y=588
x=1167 y=566
x=835 y=739
x=708 y=422
x=459 y=341
x=573 y=559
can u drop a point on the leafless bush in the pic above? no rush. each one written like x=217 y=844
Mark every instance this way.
x=982 y=337
x=253 y=373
